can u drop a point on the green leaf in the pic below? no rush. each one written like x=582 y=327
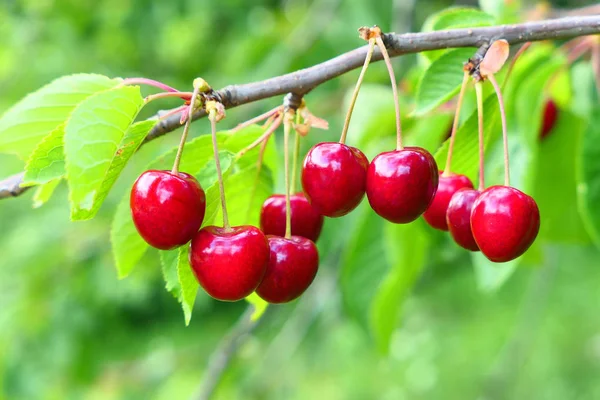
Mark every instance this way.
x=406 y=246
x=557 y=160
x=179 y=278
x=260 y=306
x=44 y=192
x=490 y=276
x=93 y=134
x=128 y=246
x=465 y=158
x=441 y=80
x=455 y=18
x=41 y=112
x=47 y=161
x=588 y=177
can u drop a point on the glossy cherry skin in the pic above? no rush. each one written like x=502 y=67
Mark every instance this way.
x=229 y=264
x=458 y=218
x=167 y=209
x=401 y=184
x=504 y=222
x=292 y=268
x=550 y=117
x=333 y=178
x=306 y=221
x=435 y=215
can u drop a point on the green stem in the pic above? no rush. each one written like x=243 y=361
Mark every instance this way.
x=295 y=161
x=504 y=128
x=447 y=169
x=478 y=92
x=286 y=138
x=213 y=128
x=390 y=68
x=164 y=95
x=356 y=90
x=186 y=129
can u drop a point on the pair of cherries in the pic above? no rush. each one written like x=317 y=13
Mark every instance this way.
x=501 y=221
x=401 y=185
x=230 y=263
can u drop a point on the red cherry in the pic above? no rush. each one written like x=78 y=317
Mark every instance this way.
x=435 y=215
x=306 y=221
x=333 y=178
x=229 y=263
x=292 y=268
x=505 y=222
x=550 y=117
x=167 y=209
x=458 y=218
x=401 y=184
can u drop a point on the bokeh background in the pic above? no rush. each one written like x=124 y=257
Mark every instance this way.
x=69 y=329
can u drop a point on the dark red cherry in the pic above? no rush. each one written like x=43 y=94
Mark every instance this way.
x=435 y=215
x=333 y=178
x=167 y=209
x=306 y=221
x=401 y=183
x=229 y=263
x=505 y=222
x=550 y=117
x=292 y=268
x=458 y=218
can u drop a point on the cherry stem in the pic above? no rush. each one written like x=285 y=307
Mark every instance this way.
x=150 y=82
x=295 y=161
x=262 y=138
x=181 y=95
x=356 y=90
x=514 y=61
x=173 y=112
x=186 y=129
x=257 y=119
x=287 y=124
x=578 y=50
x=390 y=68
x=461 y=94
x=479 y=94
x=212 y=116
x=504 y=128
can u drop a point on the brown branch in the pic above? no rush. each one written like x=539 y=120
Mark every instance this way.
x=303 y=81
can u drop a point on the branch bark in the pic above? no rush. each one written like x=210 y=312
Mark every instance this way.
x=303 y=81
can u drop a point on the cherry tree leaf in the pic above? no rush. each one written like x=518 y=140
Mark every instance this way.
x=441 y=80
x=93 y=135
x=588 y=177
x=44 y=192
x=179 y=278
x=25 y=124
x=47 y=161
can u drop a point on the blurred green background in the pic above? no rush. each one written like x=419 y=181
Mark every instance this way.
x=69 y=329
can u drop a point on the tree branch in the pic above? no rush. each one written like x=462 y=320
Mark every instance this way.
x=303 y=81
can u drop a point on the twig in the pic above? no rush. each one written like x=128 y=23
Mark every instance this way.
x=305 y=80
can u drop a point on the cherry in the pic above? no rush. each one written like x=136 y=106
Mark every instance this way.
x=458 y=218
x=229 y=263
x=167 y=208
x=505 y=222
x=333 y=178
x=292 y=268
x=306 y=221
x=550 y=117
x=401 y=184
x=435 y=215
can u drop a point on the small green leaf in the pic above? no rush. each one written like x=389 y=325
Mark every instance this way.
x=588 y=177
x=44 y=192
x=41 y=112
x=128 y=246
x=441 y=80
x=465 y=157
x=490 y=276
x=406 y=246
x=169 y=259
x=92 y=137
x=47 y=161
x=187 y=281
